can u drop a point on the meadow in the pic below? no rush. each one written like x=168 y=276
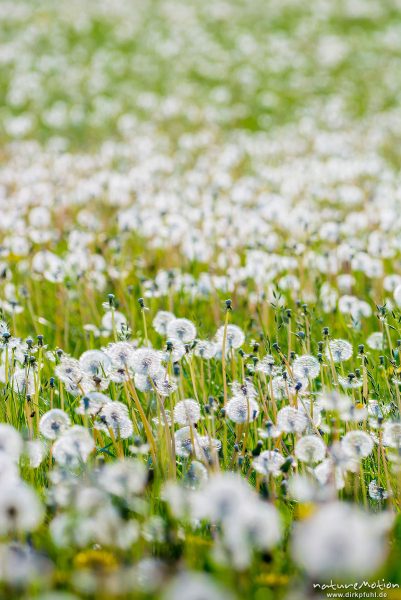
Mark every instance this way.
x=200 y=299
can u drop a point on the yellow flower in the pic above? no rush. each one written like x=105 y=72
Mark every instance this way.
x=272 y=579
x=305 y=510
x=96 y=560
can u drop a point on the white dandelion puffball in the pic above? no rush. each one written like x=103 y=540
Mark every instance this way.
x=23 y=381
x=268 y=462
x=164 y=385
x=181 y=329
x=302 y=488
x=392 y=435
x=120 y=354
x=36 y=452
x=329 y=475
x=146 y=361
x=375 y=340
x=9 y=470
x=397 y=295
x=23 y=566
x=376 y=492
x=224 y=493
x=242 y=410
x=143 y=383
x=205 y=349
x=10 y=442
x=333 y=400
x=350 y=382
x=113 y=418
x=183 y=441
x=92 y=403
x=306 y=367
x=265 y=365
x=196 y=476
x=357 y=444
x=246 y=389
x=175 y=350
x=285 y=388
x=390 y=282
x=256 y=520
x=20 y=509
x=124 y=478
x=310 y=449
x=149 y=575
x=188 y=441
x=338 y=350
x=291 y=420
x=161 y=321
x=355 y=413
x=234 y=336
x=53 y=423
x=116 y=318
x=341 y=540
x=69 y=370
x=73 y=447
x=95 y=362
x=187 y=412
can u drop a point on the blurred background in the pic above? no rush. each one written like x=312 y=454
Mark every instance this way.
x=76 y=73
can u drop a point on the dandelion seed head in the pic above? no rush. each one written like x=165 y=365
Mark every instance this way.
x=205 y=349
x=161 y=321
x=95 y=362
x=375 y=340
x=187 y=412
x=291 y=420
x=268 y=462
x=339 y=350
x=181 y=329
x=20 y=509
x=241 y=409
x=114 y=319
x=73 y=447
x=69 y=370
x=113 y=418
x=340 y=540
x=357 y=444
x=183 y=441
x=392 y=435
x=397 y=295
x=123 y=478
x=120 y=354
x=310 y=449
x=92 y=403
x=266 y=365
x=175 y=350
x=196 y=476
x=36 y=451
x=234 y=336
x=332 y=400
x=145 y=361
x=10 y=442
x=376 y=492
x=306 y=367
x=53 y=423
